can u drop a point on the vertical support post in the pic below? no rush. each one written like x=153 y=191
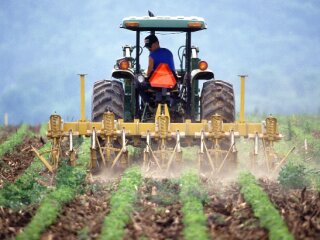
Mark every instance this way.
x=188 y=71
x=82 y=98
x=135 y=97
x=242 y=95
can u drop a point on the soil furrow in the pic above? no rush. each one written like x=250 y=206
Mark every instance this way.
x=157 y=213
x=13 y=221
x=15 y=162
x=230 y=217
x=83 y=217
x=300 y=208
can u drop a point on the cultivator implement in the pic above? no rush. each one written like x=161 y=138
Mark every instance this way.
x=162 y=139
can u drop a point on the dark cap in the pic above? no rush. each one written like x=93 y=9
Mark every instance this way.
x=149 y=40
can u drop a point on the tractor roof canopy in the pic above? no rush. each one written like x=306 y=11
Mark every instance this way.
x=164 y=23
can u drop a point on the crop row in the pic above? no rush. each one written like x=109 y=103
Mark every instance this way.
x=122 y=205
x=68 y=182
x=263 y=208
x=14 y=139
x=191 y=197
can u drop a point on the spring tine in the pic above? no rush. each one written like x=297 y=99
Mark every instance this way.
x=93 y=139
x=124 y=146
x=232 y=141
x=178 y=142
x=256 y=144
x=70 y=141
x=148 y=141
x=202 y=142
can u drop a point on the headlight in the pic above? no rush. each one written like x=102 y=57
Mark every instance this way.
x=140 y=78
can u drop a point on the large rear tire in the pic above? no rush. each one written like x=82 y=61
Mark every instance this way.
x=108 y=95
x=217 y=97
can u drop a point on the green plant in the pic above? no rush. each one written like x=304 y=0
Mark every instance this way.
x=25 y=189
x=122 y=204
x=69 y=182
x=191 y=196
x=293 y=175
x=14 y=139
x=166 y=191
x=268 y=215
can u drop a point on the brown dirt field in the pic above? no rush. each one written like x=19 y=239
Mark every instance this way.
x=83 y=216
x=230 y=217
x=157 y=214
x=15 y=162
x=299 y=208
x=12 y=222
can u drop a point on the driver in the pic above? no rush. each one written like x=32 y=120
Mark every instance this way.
x=157 y=54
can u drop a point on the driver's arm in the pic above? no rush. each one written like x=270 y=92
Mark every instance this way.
x=150 y=66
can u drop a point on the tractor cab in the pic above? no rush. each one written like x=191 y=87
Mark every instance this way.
x=179 y=90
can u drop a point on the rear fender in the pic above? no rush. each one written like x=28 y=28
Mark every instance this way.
x=198 y=74
x=123 y=74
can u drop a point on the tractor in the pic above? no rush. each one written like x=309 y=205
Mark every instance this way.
x=196 y=109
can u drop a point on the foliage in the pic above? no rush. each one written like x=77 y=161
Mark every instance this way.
x=166 y=191
x=25 y=189
x=69 y=182
x=14 y=139
x=262 y=207
x=191 y=197
x=121 y=204
x=293 y=176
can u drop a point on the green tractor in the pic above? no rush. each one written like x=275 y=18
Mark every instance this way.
x=170 y=118
x=121 y=96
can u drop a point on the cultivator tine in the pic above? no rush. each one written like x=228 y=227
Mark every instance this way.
x=179 y=151
x=72 y=152
x=43 y=160
x=176 y=152
x=256 y=144
x=283 y=160
x=207 y=151
x=122 y=153
x=101 y=152
x=232 y=141
x=146 y=152
x=155 y=157
x=225 y=158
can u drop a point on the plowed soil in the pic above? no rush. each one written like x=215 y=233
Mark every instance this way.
x=13 y=221
x=14 y=163
x=83 y=216
x=299 y=208
x=230 y=217
x=157 y=214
